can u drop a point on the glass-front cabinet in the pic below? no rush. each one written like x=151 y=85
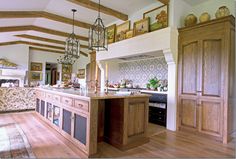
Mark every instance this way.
x=56 y=115
x=49 y=114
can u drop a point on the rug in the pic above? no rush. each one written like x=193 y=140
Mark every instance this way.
x=14 y=143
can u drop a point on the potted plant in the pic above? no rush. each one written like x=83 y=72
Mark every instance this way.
x=154 y=83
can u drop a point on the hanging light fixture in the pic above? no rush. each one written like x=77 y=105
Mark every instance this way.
x=98 y=35
x=66 y=60
x=72 y=43
x=72 y=48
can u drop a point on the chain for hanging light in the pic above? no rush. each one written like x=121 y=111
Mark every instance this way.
x=98 y=34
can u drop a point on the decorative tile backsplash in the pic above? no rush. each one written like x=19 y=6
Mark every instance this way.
x=141 y=71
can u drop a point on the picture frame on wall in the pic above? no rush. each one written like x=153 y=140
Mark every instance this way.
x=81 y=73
x=121 y=30
x=159 y=17
x=36 y=66
x=35 y=76
x=111 y=33
x=129 y=34
x=141 y=26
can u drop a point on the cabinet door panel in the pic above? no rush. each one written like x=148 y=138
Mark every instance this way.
x=42 y=110
x=212 y=73
x=37 y=105
x=189 y=68
x=188 y=113
x=66 y=121
x=136 y=119
x=80 y=128
x=56 y=115
x=211 y=118
x=49 y=111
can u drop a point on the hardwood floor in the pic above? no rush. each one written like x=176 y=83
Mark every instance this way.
x=47 y=143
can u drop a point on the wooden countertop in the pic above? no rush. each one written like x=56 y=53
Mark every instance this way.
x=90 y=94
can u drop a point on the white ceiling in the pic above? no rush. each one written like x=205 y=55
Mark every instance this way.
x=194 y=2
x=62 y=8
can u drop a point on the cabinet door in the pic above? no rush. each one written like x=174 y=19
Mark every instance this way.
x=188 y=113
x=213 y=73
x=56 y=115
x=80 y=128
x=42 y=109
x=37 y=105
x=66 y=121
x=211 y=115
x=213 y=82
x=49 y=111
x=188 y=85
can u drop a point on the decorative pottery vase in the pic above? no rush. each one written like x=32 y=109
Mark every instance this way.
x=222 y=12
x=204 y=17
x=190 y=20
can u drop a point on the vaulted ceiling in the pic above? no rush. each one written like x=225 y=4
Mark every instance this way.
x=48 y=22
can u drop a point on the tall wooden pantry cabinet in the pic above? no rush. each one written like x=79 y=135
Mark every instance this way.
x=206 y=77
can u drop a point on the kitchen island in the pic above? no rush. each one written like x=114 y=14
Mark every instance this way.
x=86 y=118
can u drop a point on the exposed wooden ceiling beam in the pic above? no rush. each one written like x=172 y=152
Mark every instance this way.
x=39 y=29
x=164 y=1
x=42 y=14
x=41 y=45
x=45 y=39
x=94 y=6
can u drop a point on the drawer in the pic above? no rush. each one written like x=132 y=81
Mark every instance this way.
x=67 y=101
x=56 y=98
x=48 y=96
x=40 y=94
x=83 y=105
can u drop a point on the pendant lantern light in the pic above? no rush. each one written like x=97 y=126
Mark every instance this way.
x=98 y=35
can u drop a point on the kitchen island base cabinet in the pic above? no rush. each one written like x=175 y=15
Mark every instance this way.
x=85 y=121
x=126 y=122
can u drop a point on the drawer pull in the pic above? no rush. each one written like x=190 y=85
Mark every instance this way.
x=66 y=101
x=80 y=105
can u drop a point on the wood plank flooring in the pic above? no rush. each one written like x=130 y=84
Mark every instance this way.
x=47 y=143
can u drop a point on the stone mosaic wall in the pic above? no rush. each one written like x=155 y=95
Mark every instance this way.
x=141 y=71
x=18 y=98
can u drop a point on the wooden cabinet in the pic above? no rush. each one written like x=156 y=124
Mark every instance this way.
x=68 y=116
x=203 y=78
x=66 y=121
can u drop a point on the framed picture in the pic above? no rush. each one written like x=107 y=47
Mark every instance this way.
x=129 y=34
x=81 y=74
x=141 y=26
x=111 y=33
x=35 y=76
x=66 y=77
x=66 y=68
x=35 y=66
x=158 y=17
x=121 y=30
